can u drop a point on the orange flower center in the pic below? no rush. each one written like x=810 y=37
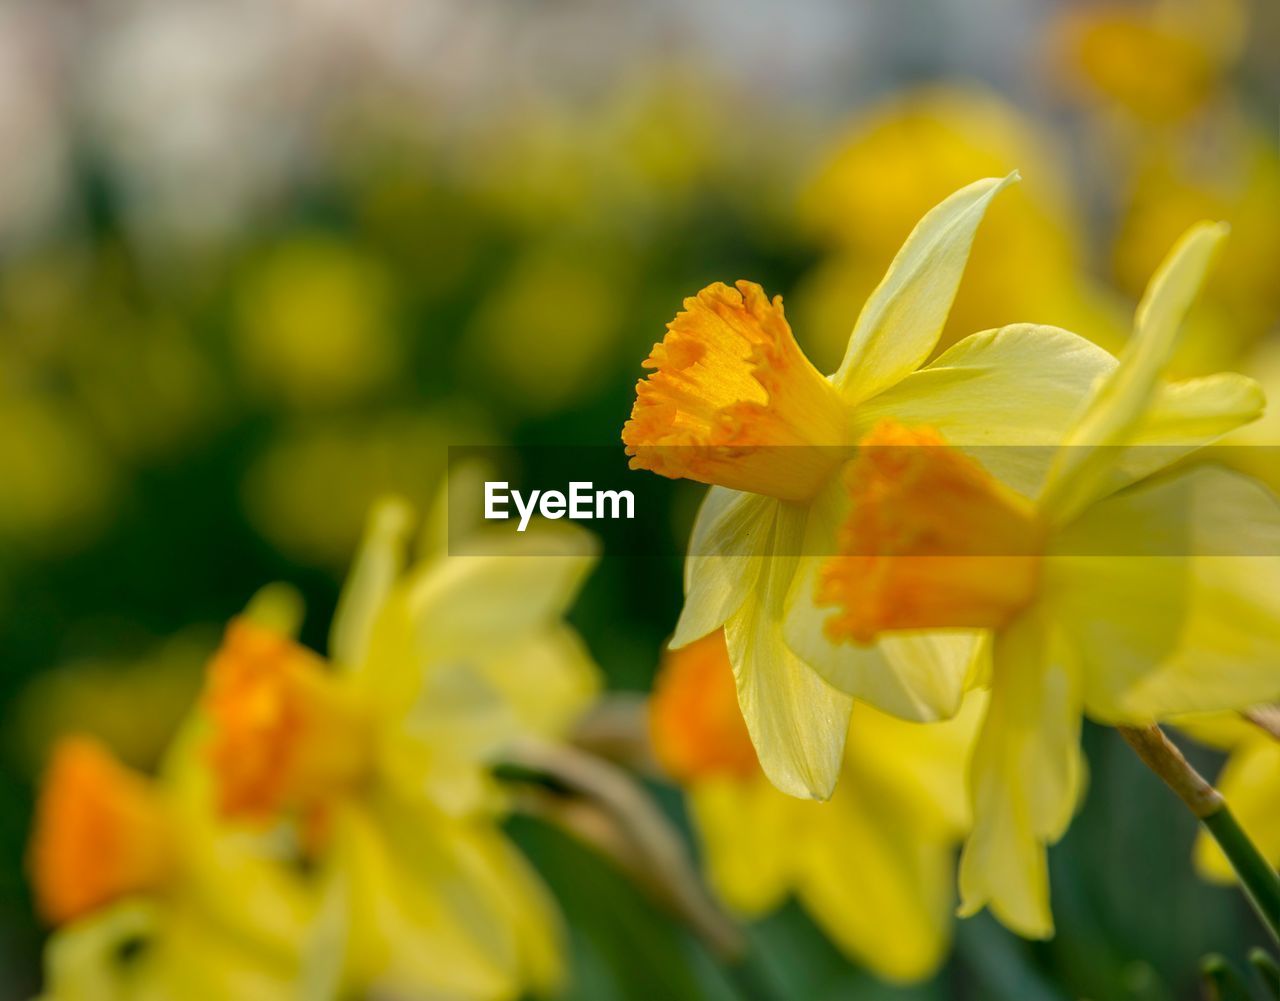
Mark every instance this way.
x=101 y=833
x=932 y=541
x=694 y=719
x=734 y=401
x=287 y=736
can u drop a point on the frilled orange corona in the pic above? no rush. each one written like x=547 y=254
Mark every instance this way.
x=733 y=400
x=932 y=541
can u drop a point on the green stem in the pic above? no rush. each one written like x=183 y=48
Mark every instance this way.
x=1260 y=882
x=1257 y=877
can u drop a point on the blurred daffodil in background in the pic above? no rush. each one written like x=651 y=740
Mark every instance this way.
x=908 y=152
x=875 y=867
x=379 y=759
x=1106 y=51
x=133 y=873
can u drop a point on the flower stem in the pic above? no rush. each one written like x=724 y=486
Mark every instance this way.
x=610 y=810
x=1260 y=882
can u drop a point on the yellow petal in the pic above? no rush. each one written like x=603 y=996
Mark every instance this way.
x=1250 y=783
x=745 y=827
x=548 y=678
x=1020 y=386
x=1182 y=417
x=1206 y=633
x=1223 y=731
x=183 y=956
x=1025 y=779
x=427 y=914
x=923 y=765
x=1117 y=408
x=724 y=562
x=903 y=319
x=377 y=565
x=796 y=720
x=1196 y=411
x=522 y=582
x=912 y=676
x=79 y=960
x=879 y=889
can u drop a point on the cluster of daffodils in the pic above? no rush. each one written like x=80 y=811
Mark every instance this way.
x=992 y=536
x=328 y=826
x=874 y=866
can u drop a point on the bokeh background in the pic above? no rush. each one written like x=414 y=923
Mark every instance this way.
x=262 y=261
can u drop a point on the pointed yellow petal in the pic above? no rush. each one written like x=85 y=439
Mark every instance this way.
x=912 y=676
x=915 y=677
x=796 y=720
x=744 y=826
x=901 y=322
x=524 y=582
x=1206 y=634
x=1025 y=779
x=923 y=764
x=724 y=562
x=880 y=889
x=1117 y=409
x=428 y=912
x=1019 y=386
x=377 y=565
x=1182 y=417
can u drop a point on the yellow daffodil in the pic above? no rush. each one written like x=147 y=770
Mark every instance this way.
x=315 y=324
x=874 y=867
x=1109 y=50
x=734 y=402
x=1249 y=781
x=1126 y=606
x=378 y=758
x=1174 y=184
x=900 y=157
x=134 y=874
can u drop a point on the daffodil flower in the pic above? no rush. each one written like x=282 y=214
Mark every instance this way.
x=1128 y=606
x=875 y=866
x=378 y=758
x=133 y=873
x=734 y=402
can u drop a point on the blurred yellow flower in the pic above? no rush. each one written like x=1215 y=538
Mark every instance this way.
x=315 y=324
x=135 y=875
x=874 y=867
x=732 y=401
x=101 y=834
x=905 y=154
x=540 y=355
x=379 y=758
x=936 y=542
x=1173 y=186
x=1159 y=60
